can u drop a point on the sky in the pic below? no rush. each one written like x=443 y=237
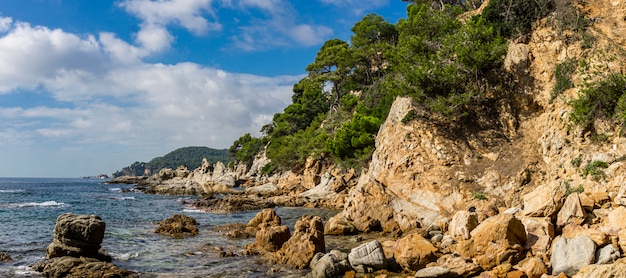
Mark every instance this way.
x=88 y=87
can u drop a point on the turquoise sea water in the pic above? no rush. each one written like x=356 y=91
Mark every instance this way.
x=29 y=208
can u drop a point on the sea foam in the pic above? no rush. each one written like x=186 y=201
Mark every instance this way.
x=34 y=204
x=11 y=190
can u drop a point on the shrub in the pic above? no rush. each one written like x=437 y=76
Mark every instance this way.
x=594 y=168
x=603 y=99
x=563 y=77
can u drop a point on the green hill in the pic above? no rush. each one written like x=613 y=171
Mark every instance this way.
x=188 y=156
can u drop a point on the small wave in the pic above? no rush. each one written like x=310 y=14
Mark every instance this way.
x=115 y=189
x=124 y=256
x=124 y=198
x=33 y=204
x=191 y=210
x=24 y=270
x=11 y=190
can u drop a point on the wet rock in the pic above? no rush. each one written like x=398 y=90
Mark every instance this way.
x=414 y=252
x=435 y=272
x=77 y=236
x=571 y=212
x=306 y=241
x=464 y=267
x=368 y=257
x=333 y=264
x=72 y=267
x=177 y=226
x=594 y=271
x=497 y=240
x=339 y=225
x=5 y=258
x=463 y=222
x=570 y=255
x=607 y=254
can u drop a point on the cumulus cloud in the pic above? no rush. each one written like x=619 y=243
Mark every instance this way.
x=153 y=35
x=99 y=100
x=5 y=23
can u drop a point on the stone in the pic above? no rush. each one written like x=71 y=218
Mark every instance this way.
x=368 y=257
x=270 y=239
x=339 y=225
x=435 y=272
x=306 y=241
x=621 y=239
x=533 y=267
x=266 y=216
x=545 y=200
x=413 y=252
x=464 y=267
x=571 y=212
x=573 y=230
x=463 y=222
x=72 y=267
x=497 y=240
x=77 y=236
x=539 y=234
x=177 y=226
x=5 y=258
x=333 y=264
x=607 y=254
x=570 y=255
x=607 y=270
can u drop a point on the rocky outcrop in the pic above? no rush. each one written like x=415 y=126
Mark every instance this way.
x=75 y=250
x=414 y=252
x=368 y=257
x=77 y=236
x=5 y=258
x=178 y=226
x=306 y=241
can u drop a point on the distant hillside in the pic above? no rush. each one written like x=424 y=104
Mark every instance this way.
x=188 y=156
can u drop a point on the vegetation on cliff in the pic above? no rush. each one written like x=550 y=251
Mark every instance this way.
x=187 y=156
x=451 y=65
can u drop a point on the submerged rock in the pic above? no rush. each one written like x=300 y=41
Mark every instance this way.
x=72 y=267
x=5 y=258
x=178 y=226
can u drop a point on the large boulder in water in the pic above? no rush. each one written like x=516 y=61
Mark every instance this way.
x=77 y=236
x=72 y=267
x=178 y=226
x=306 y=241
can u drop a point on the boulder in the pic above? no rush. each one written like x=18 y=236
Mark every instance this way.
x=571 y=212
x=570 y=255
x=333 y=264
x=607 y=270
x=539 y=234
x=339 y=225
x=533 y=267
x=435 y=272
x=497 y=240
x=464 y=267
x=463 y=222
x=177 y=226
x=414 y=252
x=368 y=257
x=545 y=200
x=573 y=230
x=607 y=254
x=270 y=239
x=266 y=216
x=306 y=241
x=77 y=236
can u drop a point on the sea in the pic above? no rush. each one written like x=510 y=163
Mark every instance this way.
x=29 y=208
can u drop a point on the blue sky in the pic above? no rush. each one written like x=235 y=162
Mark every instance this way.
x=88 y=87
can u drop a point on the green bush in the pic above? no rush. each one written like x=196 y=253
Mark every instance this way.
x=563 y=77
x=513 y=18
x=355 y=138
x=603 y=99
x=594 y=168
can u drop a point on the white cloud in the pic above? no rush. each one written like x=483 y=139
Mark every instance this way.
x=281 y=28
x=5 y=23
x=157 y=15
